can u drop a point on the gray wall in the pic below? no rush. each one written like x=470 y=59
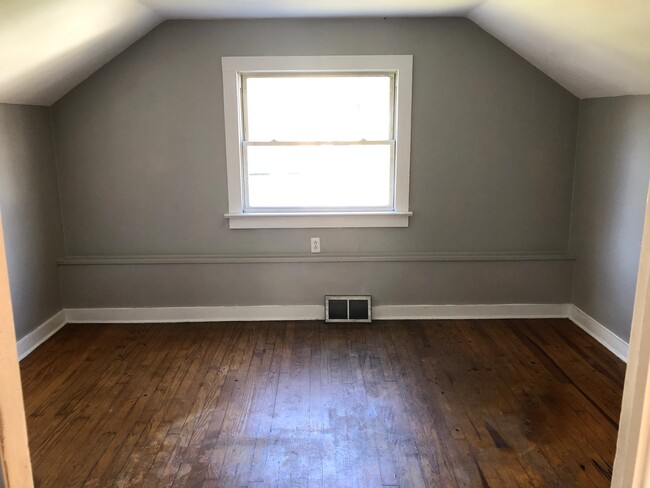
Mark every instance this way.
x=611 y=183
x=390 y=283
x=30 y=211
x=143 y=171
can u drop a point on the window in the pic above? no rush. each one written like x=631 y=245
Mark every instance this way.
x=318 y=141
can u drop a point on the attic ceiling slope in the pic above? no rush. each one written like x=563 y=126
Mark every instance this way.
x=47 y=47
x=594 y=49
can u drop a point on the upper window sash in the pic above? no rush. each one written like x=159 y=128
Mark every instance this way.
x=390 y=109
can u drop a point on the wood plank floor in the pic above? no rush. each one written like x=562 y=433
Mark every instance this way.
x=498 y=403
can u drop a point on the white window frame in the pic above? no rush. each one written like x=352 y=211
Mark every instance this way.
x=234 y=67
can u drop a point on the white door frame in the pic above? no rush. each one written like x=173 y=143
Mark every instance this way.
x=632 y=463
x=14 y=445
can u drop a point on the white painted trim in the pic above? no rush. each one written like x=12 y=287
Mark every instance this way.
x=316 y=312
x=232 y=70
x=487 y=311
x=16 y=469
x=358 y=63
x=599 y=332
x=310 y=312
x=632 y=462
x=42 y=333
x=195 y=314
x=318 y=220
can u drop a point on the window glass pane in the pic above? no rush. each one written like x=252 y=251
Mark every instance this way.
x=319 y=176
x=318 y=108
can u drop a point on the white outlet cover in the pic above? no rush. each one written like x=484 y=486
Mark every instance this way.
x=315 y=244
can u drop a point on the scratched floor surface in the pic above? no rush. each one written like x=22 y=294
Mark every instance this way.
x=499 y=403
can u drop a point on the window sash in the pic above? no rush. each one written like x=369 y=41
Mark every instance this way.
x=392 y=75
x=245 y=142
x=292 y=209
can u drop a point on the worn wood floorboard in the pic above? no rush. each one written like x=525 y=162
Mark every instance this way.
x=464 y=403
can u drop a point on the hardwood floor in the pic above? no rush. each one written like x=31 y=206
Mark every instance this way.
x=498 y=403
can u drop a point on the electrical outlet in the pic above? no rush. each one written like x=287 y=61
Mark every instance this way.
x=315 y=244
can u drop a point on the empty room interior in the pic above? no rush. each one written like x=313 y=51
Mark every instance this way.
x=320 y=243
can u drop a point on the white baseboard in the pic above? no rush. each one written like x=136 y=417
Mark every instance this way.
x=495 y=311
x=310 y=312
x=316 y=312
x=42 y=333
x=599 y=332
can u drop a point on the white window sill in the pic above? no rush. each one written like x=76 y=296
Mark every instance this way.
x=318 y=220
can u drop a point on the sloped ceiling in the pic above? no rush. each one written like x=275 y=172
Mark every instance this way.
x=47 y=47
x=594 y=48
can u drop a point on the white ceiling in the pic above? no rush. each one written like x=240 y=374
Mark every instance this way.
x=47 y=47
x=308 y=8
x=594 y=48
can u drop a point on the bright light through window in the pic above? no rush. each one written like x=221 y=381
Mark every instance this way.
x=305 y=176
x=318 y=108
x=317 y=141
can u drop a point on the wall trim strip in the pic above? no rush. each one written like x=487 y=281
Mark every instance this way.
x=310 y=312
x=599 y=332
x=42 y=333
x=310 y=258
